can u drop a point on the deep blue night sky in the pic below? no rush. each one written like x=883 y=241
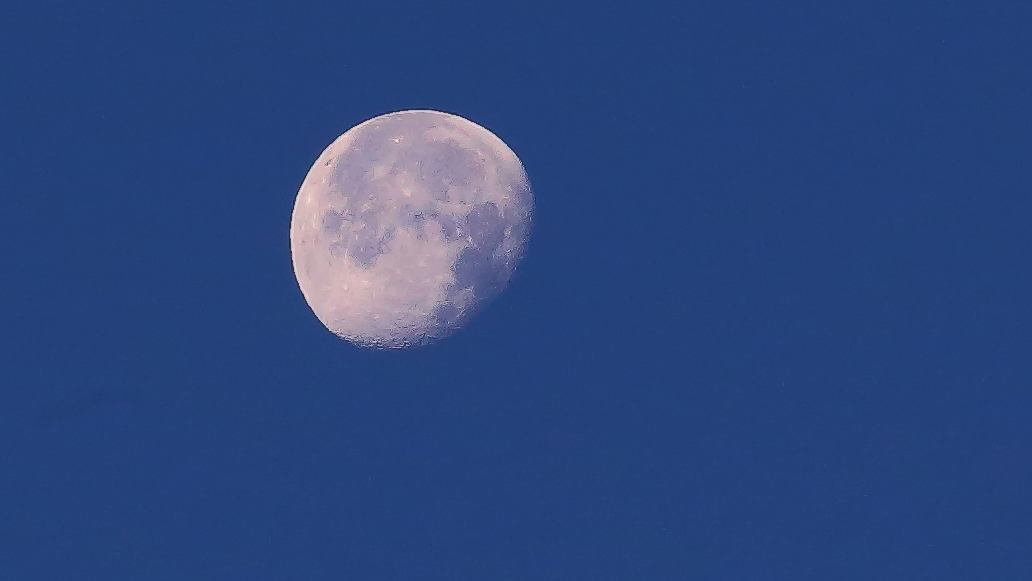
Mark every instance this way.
x=774 y=321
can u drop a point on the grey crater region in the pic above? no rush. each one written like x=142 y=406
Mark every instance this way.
x=406 y=225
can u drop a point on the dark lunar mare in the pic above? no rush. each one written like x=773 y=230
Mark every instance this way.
x=482 y=267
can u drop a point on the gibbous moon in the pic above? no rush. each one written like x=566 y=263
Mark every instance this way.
x=406 y=225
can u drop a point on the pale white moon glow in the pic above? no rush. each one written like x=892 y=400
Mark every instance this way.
x=406 y=225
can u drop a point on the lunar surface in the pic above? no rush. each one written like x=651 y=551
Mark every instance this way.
x=406 y=225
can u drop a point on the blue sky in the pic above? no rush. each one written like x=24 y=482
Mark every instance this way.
x=773 y=322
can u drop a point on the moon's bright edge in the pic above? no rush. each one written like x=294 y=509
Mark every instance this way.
x=407 y=224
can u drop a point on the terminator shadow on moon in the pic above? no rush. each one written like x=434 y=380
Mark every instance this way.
x=406 y=225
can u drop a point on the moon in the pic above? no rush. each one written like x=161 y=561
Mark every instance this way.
x=407 y=225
